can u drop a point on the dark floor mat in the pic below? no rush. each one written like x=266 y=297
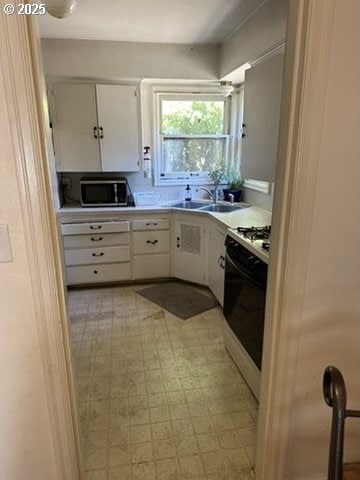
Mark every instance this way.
x=179 y=299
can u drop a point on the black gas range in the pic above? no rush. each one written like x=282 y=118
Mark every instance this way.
x=255 y=238
x=257 y=233
x=246 y=259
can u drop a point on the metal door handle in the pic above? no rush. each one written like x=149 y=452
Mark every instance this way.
x=98 y=239
x=98 y=254
x=153 y=242
x=95 y=227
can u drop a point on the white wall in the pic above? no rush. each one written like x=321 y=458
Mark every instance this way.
x=133 y=61
x=263 y=31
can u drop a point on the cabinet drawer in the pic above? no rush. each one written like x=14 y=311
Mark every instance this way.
x=98 y=273
x=151 y=266
x=94 y=227
x=95 y=240
x=151 y=242
x=151 y=224
x=85 y=256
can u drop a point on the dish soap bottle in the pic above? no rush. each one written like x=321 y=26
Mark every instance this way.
x=188 y=194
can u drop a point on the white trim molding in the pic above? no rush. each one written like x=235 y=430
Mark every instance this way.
x=26 y=104
x=258 y=186
x=310 y=27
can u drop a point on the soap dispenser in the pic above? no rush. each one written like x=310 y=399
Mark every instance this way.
x=188 y=193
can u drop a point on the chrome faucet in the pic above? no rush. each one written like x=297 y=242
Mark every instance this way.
x=212 y=195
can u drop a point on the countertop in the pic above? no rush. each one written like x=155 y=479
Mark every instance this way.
x=246 y=217
x=251 y=216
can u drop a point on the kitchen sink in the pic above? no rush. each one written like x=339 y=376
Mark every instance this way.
x=189 y=205
x=222 y=208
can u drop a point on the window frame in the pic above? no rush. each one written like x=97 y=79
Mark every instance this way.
x=193 y=178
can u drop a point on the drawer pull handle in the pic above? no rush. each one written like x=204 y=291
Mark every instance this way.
x=95 y=227
x=96 y=239
x=98 y=254
x=149 y=224
x=95 y=271
x=178 y=242
x=153 y=242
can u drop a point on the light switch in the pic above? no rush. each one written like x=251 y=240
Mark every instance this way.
x=5 y=247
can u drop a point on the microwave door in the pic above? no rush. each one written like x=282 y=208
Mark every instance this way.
x=97 y=194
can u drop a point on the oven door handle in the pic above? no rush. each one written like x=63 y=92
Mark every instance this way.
x=242 y=273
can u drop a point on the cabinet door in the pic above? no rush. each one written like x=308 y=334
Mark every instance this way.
x=190 y=251
x=262 y=98
x=119 y=128
x=74 y=120
x=217 y=263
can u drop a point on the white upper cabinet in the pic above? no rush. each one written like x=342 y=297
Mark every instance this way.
x=118 y=125
x=96 y=128
x=262 y=99
x=74 y=129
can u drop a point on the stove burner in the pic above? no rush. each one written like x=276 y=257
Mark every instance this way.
x=256 y=233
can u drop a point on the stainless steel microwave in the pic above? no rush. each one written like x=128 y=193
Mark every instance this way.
x=103 y=192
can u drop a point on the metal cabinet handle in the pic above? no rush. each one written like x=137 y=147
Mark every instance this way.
x=95 y=271
x=96 y=239
x=95 y=132
x=243 y=135
x=149 y=224
x=178 y=242
x=153 y=242
x=95 y=227
x=101 y=254
x=101 y=132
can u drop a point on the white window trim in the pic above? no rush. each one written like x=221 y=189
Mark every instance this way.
x=208 y=93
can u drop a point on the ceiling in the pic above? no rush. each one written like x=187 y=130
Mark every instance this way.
x=156 y=21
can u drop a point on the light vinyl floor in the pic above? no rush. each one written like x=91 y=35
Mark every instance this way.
x=159 y=398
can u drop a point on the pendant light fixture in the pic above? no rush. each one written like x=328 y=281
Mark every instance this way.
x=60 y=8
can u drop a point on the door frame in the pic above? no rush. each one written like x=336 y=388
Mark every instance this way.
x=25 y=99
x=309 y=23
x=306 y=71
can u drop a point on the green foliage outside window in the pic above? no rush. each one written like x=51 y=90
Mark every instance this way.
x=200 y=126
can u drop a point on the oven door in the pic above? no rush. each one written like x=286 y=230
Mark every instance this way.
x=244 y=301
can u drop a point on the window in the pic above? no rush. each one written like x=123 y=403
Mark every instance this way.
x=192 y=136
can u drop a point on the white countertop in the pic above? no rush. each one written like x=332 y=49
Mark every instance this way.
x=245 y=217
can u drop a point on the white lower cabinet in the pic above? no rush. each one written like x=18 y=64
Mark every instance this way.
x=217 y=262
x=145 y=247
x=86 y=274
x=151 y=248
x=190 y=250
x=96 y=252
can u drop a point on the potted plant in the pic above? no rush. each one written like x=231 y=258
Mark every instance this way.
x=216 y=174
x=235 y=183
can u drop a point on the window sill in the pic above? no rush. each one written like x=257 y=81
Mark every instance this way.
x=259 y=186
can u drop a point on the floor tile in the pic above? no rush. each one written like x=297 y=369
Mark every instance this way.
x=159 y=398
